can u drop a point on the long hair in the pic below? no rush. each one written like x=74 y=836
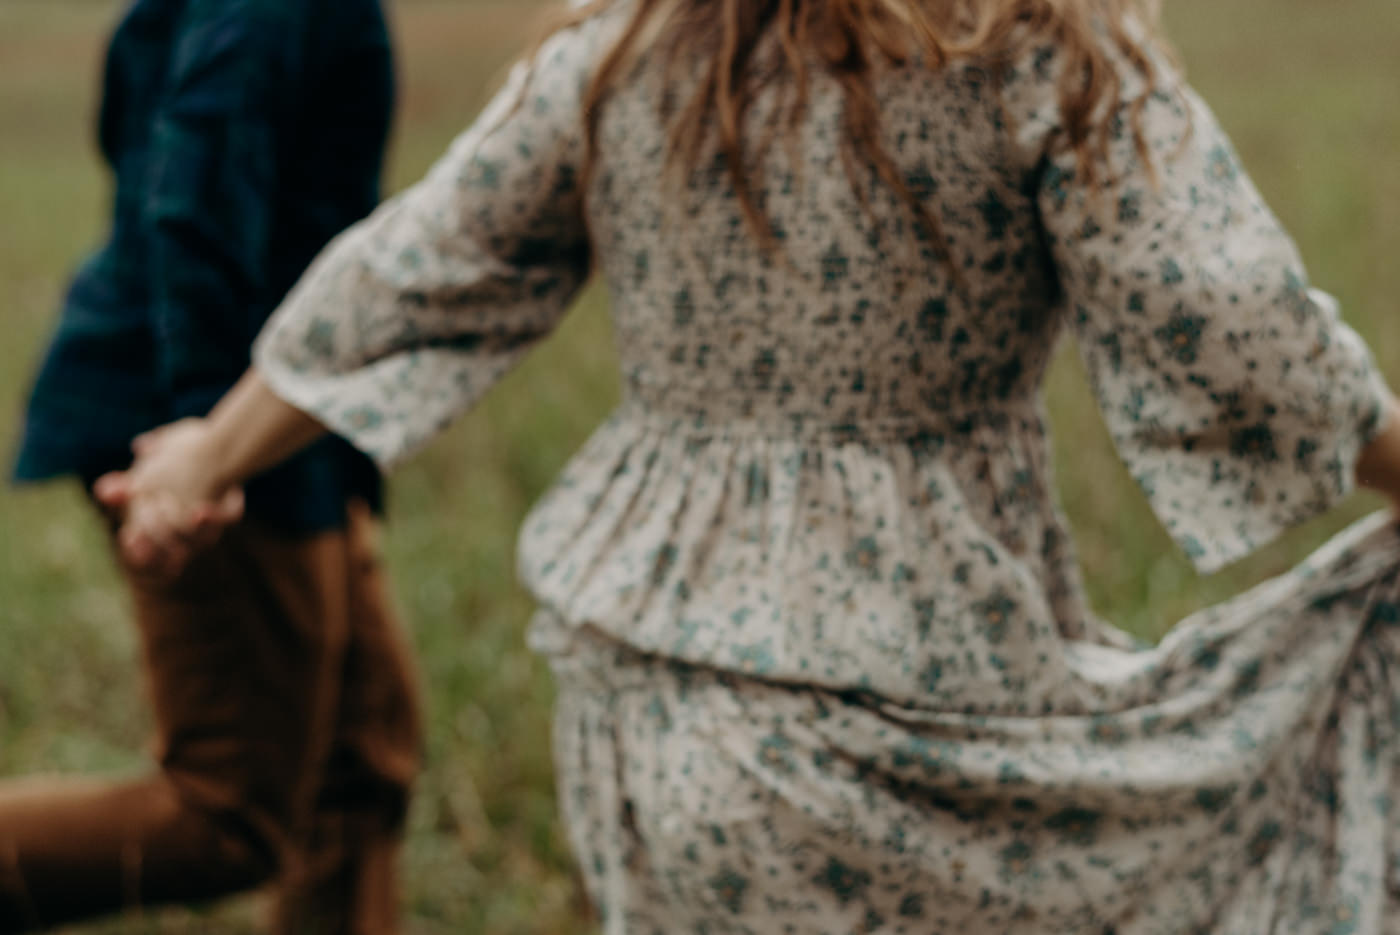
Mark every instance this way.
x=717 y=40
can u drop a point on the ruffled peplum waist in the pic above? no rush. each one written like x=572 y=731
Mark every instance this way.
x=887 y=556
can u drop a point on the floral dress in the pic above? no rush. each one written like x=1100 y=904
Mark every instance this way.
x=825 y=662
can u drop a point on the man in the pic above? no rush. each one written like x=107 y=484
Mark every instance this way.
x=243 y=134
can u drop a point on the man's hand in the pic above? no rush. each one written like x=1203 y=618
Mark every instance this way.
x=170 y=502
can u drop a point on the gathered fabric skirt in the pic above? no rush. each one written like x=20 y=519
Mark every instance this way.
x=1238 y=779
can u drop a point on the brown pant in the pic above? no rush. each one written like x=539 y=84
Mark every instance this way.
x=287 y=736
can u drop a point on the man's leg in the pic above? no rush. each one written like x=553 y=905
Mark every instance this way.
x=346 y=879
x=72 y=849
x=244 y=655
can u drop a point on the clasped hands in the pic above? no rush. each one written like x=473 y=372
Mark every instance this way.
x=170 y=503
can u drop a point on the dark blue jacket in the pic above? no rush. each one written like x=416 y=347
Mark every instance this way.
x=243 y=135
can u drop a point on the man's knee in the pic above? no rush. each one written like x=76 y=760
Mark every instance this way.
x=222 y=849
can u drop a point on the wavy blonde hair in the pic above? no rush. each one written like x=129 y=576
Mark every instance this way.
x=717 y=41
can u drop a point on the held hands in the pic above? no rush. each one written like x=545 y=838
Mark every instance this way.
x=170 y=502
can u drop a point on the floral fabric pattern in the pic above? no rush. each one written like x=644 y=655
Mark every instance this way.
x=1238 y=779
x=820 y=532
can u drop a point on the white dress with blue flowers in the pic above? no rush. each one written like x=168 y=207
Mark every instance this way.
x=825 y=662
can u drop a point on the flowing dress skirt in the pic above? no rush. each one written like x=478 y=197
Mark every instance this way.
x=1238 y=779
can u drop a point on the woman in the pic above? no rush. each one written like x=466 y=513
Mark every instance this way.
x=825 y=664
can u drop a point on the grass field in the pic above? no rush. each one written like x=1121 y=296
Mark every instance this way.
x=1308 y=90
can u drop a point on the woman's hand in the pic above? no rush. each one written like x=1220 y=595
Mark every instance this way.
x=172 y=501
x=1378 y=467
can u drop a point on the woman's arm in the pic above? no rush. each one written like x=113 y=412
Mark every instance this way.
x=1238 y=397
x=251 y=430
x=402 y=323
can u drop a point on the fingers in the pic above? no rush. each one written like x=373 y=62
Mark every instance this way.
x=145 y=557
x=143 y=444
x=161 y=535
x=112 y=493
x=229 y=509
x=147 y=442
x=147 y=538
x=211 y=519
x=157 y=562
x=136 y=550
x=113 y=490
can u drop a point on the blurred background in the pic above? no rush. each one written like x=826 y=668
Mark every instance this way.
x=1309 y=89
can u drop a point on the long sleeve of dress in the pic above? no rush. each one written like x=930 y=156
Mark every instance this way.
x=409 y=317
x=1235 y=394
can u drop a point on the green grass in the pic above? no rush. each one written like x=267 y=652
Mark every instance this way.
x=1307 y=89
